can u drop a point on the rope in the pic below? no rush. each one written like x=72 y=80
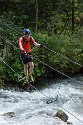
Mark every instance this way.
x=57 y=70
x=70 y=113
x=63 y=56
x=22 y=78
x=9 y=66
x=53 y=52
x=49 y=65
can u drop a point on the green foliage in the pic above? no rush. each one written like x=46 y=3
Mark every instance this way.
x=54 y=31
x=53 y=16
x=2 y=74
x=67 y=48
x=1 y=83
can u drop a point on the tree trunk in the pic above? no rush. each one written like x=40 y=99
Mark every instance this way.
x=36 y=15
x=5 y=51
x=72 y=16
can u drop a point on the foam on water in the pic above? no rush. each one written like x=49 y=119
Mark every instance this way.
x=32 y=109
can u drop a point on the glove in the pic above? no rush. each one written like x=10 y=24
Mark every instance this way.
x=41 y=46
x=24 y=52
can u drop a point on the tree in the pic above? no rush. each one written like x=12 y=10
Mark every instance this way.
x=36 y=6
x=72 y=15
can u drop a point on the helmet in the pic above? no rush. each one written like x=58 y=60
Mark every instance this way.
x=27 y=31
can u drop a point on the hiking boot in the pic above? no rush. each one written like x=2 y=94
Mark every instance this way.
x=27 y=79
x=31 y=79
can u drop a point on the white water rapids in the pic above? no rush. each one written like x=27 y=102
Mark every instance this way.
x=32 y=109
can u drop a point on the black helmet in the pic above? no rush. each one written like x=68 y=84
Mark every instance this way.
x=27 y=31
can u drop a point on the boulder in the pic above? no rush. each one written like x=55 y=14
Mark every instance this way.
x=9 y=114
x=62 y=115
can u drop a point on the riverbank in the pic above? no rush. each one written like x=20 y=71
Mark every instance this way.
x=40 y=83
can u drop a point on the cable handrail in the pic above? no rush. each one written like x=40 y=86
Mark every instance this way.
x=1 y=59
x=63 y=56
x=49 y=65
x=54 y=53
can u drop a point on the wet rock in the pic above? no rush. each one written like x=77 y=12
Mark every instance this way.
x=9 y=114
x=62 y=115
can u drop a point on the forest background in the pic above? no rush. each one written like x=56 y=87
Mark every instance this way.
x=58 y=24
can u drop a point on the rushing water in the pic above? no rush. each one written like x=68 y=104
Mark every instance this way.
x=32 y=108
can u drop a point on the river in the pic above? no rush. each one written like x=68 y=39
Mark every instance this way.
x=32 y=108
